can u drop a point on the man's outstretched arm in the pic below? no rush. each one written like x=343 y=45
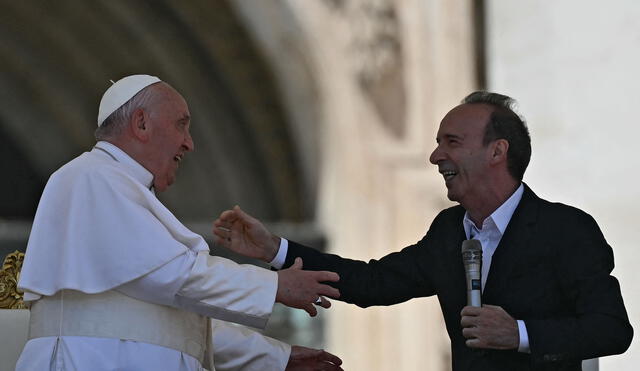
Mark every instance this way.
x=394 y=278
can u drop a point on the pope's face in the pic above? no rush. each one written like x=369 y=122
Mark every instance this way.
x=461 y=157
x=169 y=137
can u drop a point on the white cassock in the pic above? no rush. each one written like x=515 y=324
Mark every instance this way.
x=100 y=232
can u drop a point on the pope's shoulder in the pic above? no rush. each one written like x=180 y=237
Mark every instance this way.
x=88 y=166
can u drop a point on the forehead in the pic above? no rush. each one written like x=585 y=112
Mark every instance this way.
x=465 y=120
x=169 y=102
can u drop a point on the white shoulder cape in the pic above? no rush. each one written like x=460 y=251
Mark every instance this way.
x=98 y=226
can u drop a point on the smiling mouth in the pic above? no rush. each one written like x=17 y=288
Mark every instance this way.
x=177 y=158
x=448 y=174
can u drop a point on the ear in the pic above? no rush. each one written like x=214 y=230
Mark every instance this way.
x=499 y=150
x=139 y=125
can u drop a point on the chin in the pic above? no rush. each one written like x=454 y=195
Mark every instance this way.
x=161 y=186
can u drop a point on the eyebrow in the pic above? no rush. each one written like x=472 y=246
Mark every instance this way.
x=185 y=118
x=450 y=136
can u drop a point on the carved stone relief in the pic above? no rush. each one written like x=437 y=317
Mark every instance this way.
x=376 y=51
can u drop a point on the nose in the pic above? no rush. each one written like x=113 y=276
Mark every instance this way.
x=188 y=143
x=436 y=155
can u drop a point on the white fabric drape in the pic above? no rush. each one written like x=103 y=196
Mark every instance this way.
x=100 y=227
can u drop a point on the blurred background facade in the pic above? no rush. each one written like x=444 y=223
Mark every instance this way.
x=318 y=116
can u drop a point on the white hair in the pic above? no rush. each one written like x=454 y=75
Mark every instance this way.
x=115 y=122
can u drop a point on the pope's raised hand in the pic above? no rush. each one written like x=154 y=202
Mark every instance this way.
x=301 y=289
x=245 y=235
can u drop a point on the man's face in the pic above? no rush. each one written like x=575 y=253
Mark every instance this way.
x=169 y=137
x=461 y=157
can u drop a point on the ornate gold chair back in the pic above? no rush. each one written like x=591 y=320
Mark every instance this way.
x=10 y=296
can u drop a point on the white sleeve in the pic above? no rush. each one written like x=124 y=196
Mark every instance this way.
x=211 y=286
x=239 y=348
x=281 y=255
x=523 y=347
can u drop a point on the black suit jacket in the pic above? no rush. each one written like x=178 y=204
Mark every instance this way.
x=551 y=269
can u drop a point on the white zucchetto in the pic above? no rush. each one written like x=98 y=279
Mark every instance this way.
x=120 y=92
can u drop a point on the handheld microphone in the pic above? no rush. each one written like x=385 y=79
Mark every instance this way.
x=472 y=259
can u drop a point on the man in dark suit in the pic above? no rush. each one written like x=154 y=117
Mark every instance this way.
x=549 y=300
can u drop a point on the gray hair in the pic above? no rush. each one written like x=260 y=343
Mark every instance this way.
x=115 y=122
x=504 y=123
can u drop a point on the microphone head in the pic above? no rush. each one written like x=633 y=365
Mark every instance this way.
x=471 y=252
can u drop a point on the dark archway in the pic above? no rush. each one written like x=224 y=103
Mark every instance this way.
x=56 y=59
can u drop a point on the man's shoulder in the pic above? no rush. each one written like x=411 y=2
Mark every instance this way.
x=448 y=218
x=455 y=212
x=558 y=212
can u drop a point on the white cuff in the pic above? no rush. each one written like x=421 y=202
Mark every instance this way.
x=524 y=338
x=281 y=256
x=238 y=348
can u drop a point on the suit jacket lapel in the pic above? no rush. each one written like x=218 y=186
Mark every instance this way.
x=514 y=243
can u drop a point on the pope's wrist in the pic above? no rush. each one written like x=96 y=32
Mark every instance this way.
x=273 y=251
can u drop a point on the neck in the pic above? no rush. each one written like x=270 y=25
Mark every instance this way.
x=490 y=201
x=127 y=147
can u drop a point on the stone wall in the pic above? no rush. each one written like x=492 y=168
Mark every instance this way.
x=371 y=80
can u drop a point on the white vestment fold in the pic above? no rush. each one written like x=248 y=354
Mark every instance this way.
x=99 y=227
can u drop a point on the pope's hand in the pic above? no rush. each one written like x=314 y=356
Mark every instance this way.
x=245 y=235
x=307 y=359
x=300 y=289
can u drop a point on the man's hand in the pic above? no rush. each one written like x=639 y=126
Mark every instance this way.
x=489 y=327
x=300 y=289
x=245 y=235
x=307 y=359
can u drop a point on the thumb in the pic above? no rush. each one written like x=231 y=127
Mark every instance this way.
x=297 y=264
x=242 y=215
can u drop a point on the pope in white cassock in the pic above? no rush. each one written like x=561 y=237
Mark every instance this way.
x=116 y=282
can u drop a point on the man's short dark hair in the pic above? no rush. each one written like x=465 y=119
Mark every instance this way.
x=504 y=123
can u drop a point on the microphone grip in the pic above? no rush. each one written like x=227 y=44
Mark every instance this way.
x=474 y=294
x=474 y=285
